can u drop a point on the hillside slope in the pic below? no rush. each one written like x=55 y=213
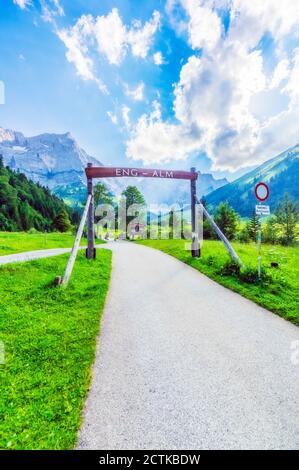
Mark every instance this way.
x=25 y=204
x=53 y=160
x=280 y=173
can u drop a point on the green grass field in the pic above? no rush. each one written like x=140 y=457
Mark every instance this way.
x=280 y=294
x=49 y=334
x=16 y=242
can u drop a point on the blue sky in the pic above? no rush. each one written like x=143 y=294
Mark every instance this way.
x=210 y=83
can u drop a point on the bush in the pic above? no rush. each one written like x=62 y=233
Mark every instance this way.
x=243 y=235
x=230 y=268
x=246 y=274
x=210 y=260
x=32 y=231
x=250 y=275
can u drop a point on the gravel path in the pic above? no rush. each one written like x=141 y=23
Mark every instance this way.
x=31 y=255
x=37 y=254
x=184 y=363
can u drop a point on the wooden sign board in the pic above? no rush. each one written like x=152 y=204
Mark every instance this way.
x=118 y=172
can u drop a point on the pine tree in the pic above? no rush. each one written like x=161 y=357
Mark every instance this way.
x=252 y=226
x=102 y=195
x=227 y=219
x=287 y=216
x=62 y=222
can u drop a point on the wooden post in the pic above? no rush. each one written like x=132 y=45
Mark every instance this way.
x=194 y=222
x=72 y=258
x=90 y=252
x=221 y=235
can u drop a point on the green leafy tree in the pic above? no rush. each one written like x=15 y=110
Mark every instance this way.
x=102 y=195
x=62 y=222
x=270 y=232
x=133 y=196
x=227 y=220
x=26 y=205
x=287 y=216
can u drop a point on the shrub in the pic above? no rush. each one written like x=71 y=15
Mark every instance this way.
x=246 y=274
x=250 y=275
x=230 y=268
x=32 y=231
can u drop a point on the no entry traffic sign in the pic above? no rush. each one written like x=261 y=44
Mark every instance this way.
x=261 y=191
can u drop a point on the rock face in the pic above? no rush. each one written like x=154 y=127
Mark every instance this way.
x=50 y=159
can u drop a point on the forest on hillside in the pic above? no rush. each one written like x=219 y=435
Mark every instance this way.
x=26 y=205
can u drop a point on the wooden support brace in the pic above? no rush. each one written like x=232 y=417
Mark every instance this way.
x=72 y=258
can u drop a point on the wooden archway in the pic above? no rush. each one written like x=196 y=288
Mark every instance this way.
x=120 y=172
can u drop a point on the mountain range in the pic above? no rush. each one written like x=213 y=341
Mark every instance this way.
x=58 y=162
x=280 y=173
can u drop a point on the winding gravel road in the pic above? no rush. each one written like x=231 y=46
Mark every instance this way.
x=184 y=363
x=36 y=254
x=31 y=255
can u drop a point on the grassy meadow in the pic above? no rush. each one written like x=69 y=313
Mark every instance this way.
x=49 y=334
x=17 y=242
x=278 y=292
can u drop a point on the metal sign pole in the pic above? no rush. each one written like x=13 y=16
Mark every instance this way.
x=259 y=242
x=90 y=252
x=261 y=191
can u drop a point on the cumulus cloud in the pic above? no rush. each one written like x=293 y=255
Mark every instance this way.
x=155 y=141
x=91 y=37
x=114 y=39
x=213 y=99
x=140 y=37
x=75 y=41
x=158 y=58
x=22 y=3
x=136 y=94
x=204 y=26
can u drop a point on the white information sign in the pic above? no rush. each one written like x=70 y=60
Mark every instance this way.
x=261 y=209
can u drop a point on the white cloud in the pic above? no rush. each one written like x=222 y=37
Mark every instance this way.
x=140 y=37
x=114 y=38
x=113 y=117
x=158 y=58
x=75 y=41
x=93 y=37
x=281 y=72
x=136 y=94
x=252 y=18
x=125 y=115
x=155 y=141
x=213 y=102
x=204 y=27
x=50 y=10
x=22 y=3
x=111 y=33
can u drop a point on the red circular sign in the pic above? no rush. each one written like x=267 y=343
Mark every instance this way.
x=261 y=191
